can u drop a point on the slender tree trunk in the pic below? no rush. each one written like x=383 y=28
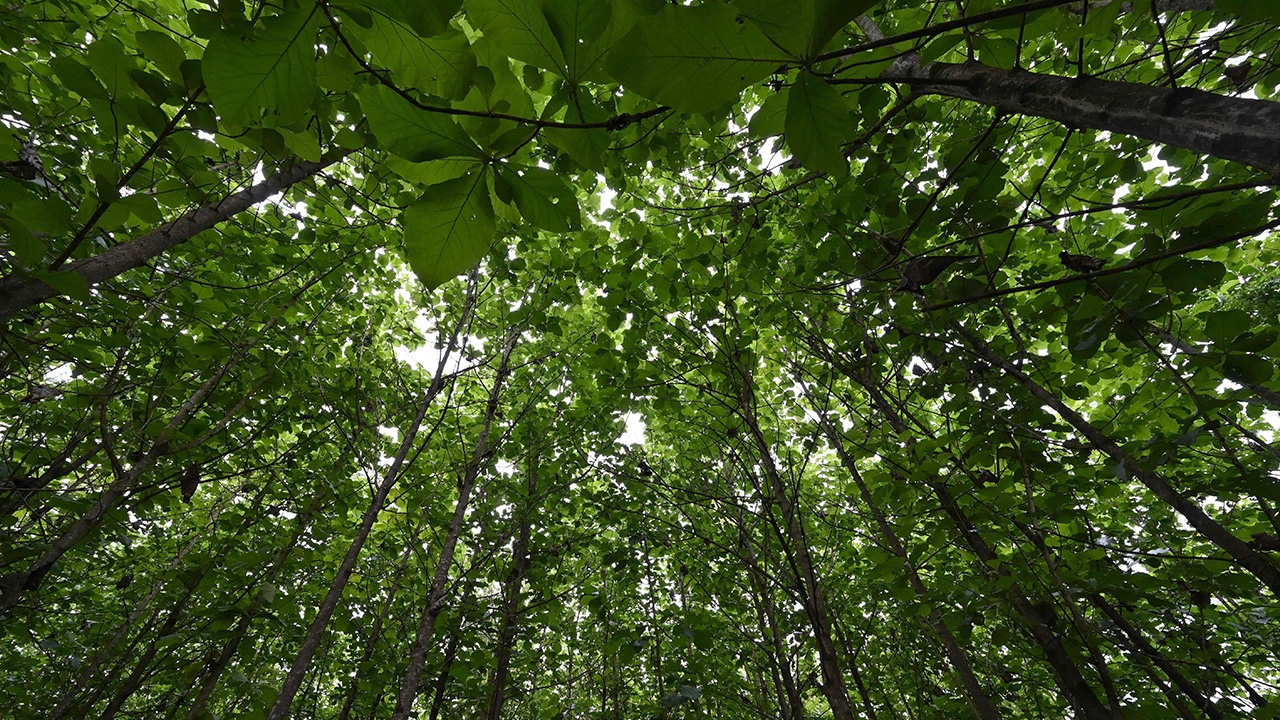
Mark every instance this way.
x=255 y=606
x=1232 y=128
x=793 y=535
x=439 y=582
x=852 y=655
x=1066 y=673
x=1145 y=649
x=788 y=692
x=981 y=704
x=1210 y=529
x=442 y=680
x=16 y=584
x=142 y=668
x=511 y=604
x=1267 y=395
x=375 y=633
x=17 y=293
x=315 y=632
x=91 y=668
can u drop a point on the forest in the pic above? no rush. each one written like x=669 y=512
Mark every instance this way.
x=634 y=359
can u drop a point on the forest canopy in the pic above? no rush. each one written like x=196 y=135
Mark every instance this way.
x=557 y=359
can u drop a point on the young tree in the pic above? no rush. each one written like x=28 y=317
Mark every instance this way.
x=945 y=323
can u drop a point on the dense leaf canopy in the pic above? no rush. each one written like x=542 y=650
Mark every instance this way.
x=628 y=359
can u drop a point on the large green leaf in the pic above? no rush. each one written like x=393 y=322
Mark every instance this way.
x=109 y=62
x=265 y=79
x=432 y=172
x=543 y=198
x=443 y=65
x=520 y=29
x=163 y=51
x=427 y=18
x=693 y=58
x=449 y=230
x=770 y=118
x=411 y=132
x=577 y=25
x=802 y=27
x=817 y=121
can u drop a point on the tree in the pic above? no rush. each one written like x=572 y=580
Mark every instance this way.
x=946 y=324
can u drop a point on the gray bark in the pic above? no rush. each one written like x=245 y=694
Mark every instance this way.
x=1231 y=128
x=18 y=293
x=439 y=582
x=316 y=631
x=1261 y=567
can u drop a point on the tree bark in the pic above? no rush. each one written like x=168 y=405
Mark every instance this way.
x=315 y=633
x=1232 y=128
x=511 y=604
x=436 y=595
x=981 y=703
x=1210 y=529
x=18 y=293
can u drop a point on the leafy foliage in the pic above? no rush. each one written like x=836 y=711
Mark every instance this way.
x=324 y=318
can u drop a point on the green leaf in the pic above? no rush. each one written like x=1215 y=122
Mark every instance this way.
x=78 y=78
x=1183 y=275
x=1223 y=326
x=414 y=134
x=1248 y=367
x=108 y=61
x=520 y=29
x=939 y=46
x=337 y=71
x=1250 y=9
x=51 y=216
x=441 y=65
x=543 y=199
x=162 y=51
x=694 y=59
x=432 y=172
x=577 y=25
x=586 y=147
x=802 y=27
x=66 y=283
x=268 y=79
x=997 y=52
x=817 y=120
x=771 y=118
x=426 y=18
x=449 y=230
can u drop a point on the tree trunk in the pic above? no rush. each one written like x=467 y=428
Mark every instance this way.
x=375 y=633
x=14 y=585
x=255 y=606
x=1210 y=529
x=789 y=699
x=511 y=604
x=142 y=668
x=1067 y=675
x=18 y=293
x=1147 y=650
x=315 y=633
x=435 y=597
x=793 y=537
x=1232 y=128
x=981 y=704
